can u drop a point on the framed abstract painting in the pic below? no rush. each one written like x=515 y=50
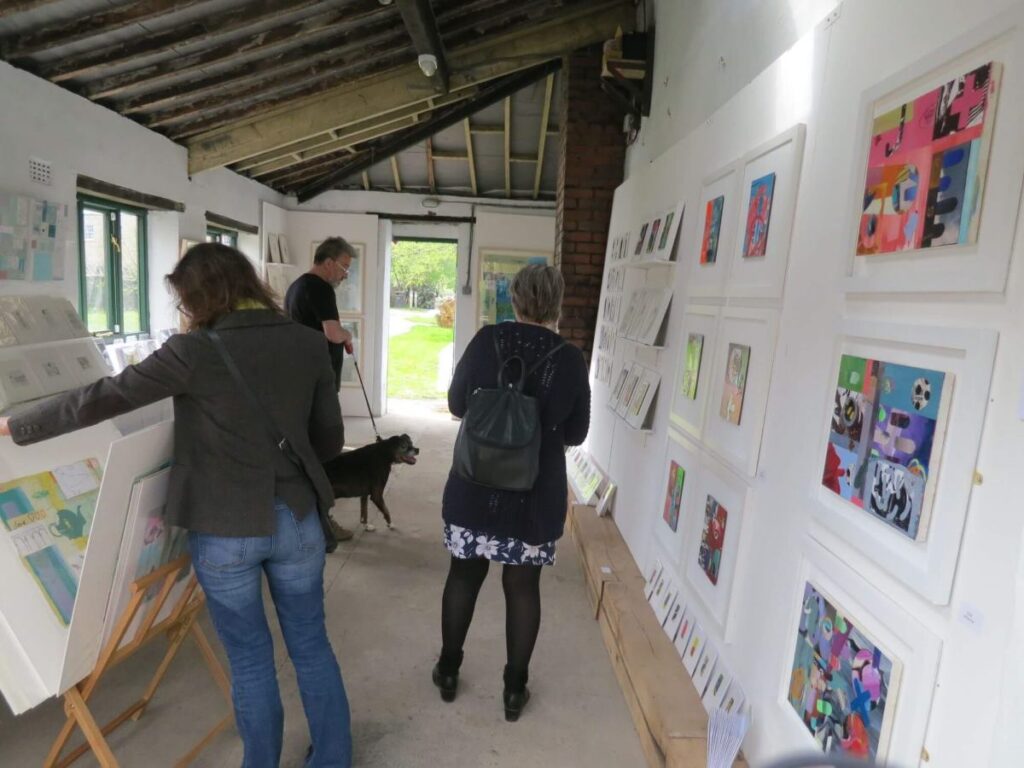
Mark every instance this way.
x=903 y=409
x=714 y=233
x=682 y=467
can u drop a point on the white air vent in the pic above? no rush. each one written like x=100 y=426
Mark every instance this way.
x=39 y=170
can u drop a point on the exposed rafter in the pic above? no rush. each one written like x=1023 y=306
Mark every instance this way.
x=83 y=27
x=21 y=6
x=395 y=173
x=492 y=94
x=469 y=155
x=366 y=181
x=545 y=116
x=190 y=34
x=419 y=20
x=508 y=146
x=431 y=180
x=370 y=97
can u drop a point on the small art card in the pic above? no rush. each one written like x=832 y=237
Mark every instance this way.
x=712 y=230
x=705 y=667
x=759 y=212
x=641 y=240
x=666 y=230
x=653 y=572
x=694 y=649
x=675 y=617
x=674 y=495
x=682 y=636
x=888 y=424
x=718 y=685
x=653 y=239
x=712 y=539
x=691 y=375
x=736 y=366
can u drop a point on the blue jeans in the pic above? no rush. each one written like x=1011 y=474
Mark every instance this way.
x=230 y=571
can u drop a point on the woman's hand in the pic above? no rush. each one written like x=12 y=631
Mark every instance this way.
x=5 y=426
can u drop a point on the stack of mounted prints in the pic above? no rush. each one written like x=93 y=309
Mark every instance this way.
x=46 y=518
x=926 y=167
x=634 y=393
x=644 y=318
x=842 y=685
x=888 y=424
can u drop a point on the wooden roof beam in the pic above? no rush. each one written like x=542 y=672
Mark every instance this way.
x=508 y=146
x=419 y=20
x=469 y=155
x=431 y=180
x=545 y=116
x=395 y=173
x=369 y=97
x=13 y=7
x=193 y=33
x=75 y=30
x=489 y=95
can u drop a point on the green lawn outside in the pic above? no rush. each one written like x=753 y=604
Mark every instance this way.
x=413 y=356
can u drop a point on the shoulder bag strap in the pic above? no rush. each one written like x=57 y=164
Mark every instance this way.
x=268 y=423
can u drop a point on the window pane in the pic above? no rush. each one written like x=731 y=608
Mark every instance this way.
x=95 y=237
x=131 y=296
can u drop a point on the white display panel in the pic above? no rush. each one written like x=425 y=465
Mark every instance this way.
x=885 y=623
x=779 y=160
x=740 y=444
x=706 y=280
x=927 y=566
x=979 y=267
x=688 y=413
x=724 y=553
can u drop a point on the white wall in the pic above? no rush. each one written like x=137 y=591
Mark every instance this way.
x=705 y=52
x=79 y=137
x=820 y=83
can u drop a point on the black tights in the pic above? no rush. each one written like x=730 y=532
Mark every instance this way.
x=522 y=610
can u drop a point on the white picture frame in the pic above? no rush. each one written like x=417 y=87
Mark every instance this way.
x=886 y=623
x=508 y=256
x=730 y=491
x=740 y=444
x=929 y=566
x=687 y=456
x=687 y=414
x=764 y=277
x=638 y=410
x=981 y=267
x=709 y=280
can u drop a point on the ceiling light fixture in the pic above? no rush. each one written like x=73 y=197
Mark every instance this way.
x=428 y=64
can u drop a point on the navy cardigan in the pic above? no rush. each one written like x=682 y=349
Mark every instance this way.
x=561 y=384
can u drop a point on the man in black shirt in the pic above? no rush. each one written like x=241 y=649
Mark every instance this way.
x=310 y=301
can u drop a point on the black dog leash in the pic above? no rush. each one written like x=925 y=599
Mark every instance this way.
x=369 y=410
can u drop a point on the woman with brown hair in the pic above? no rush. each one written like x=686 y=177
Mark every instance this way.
x=250 y=509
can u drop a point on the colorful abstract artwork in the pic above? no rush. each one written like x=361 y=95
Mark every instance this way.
x=759 y=213
x=736 y=366
x=691 y=374
x=47 y=518
x=653 y=239
x=666 y=230
x=712 y=538
x=674 y=495
x=640 y=240
x=888 y=421
x=926 y=167
x=712 y=230
x=841 y=682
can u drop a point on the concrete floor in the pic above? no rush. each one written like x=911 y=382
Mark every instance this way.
x=383 y=611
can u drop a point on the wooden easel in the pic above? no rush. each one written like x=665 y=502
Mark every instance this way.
x=179 y=624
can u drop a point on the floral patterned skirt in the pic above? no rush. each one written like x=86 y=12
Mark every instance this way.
x=466 y=544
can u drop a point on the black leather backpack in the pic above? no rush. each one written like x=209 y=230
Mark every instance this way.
x=498 y=445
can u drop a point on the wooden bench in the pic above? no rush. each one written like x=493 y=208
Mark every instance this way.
x=667 y=711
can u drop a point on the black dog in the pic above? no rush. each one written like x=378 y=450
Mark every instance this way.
x=364 y=472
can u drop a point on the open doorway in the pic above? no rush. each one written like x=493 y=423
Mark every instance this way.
x=421 y=322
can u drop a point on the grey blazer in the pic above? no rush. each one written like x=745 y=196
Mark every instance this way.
x=227 y=470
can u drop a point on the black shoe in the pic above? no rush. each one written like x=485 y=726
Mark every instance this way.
x=515 y=702
x=448 y=684
x=341 y=534
x=516 y=693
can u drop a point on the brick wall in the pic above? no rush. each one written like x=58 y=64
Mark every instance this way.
x=593 y=156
